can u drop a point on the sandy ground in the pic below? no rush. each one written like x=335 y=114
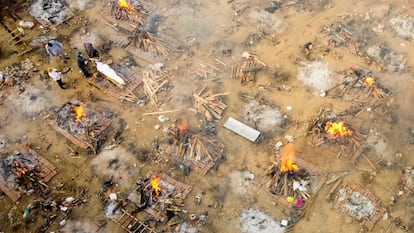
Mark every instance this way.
x=291 y=83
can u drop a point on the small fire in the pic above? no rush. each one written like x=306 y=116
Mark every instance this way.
x=182 y=129
x=123 y=4
x=79 y=112
x=369 y=80
x=337 y=129
x=155 y=186
x=288 y=159
x=19 y=168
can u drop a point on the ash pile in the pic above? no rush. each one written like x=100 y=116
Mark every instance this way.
x=16 y=73
x=51 y=11
x=21 y=171
x=76 y=118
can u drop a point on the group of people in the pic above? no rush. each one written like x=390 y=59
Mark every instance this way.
x=54 y=48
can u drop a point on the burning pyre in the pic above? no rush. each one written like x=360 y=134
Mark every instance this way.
x=287 y=179
x=127 y=10
x=361 y=85
x=160 y=197
x=75 y=118
x=195 y=151
x=22 y=172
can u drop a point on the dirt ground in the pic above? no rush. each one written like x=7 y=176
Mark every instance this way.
x=291 y=86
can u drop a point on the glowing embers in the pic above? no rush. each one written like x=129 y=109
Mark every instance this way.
x=80 y=124
x=25 y=172
x=129 y=11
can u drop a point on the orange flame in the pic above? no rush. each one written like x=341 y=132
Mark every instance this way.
x=155 y=186
x=288 y=159
x=182 y=129
x=337 y=129
x=79 y=112
x=123 y=4
x=19 y=168
x=369 y=80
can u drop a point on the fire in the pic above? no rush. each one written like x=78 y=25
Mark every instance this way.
x=19 y=168
x=288 y=159
x=123 y=4
x=369 y=80
x=79 y=112
x=337 y=129
x=182 y=129
x=155 y=186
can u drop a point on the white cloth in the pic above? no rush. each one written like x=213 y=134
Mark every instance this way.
x=55 y=74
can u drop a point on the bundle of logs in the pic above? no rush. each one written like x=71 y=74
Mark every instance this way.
x=294 y=184
x=209 y=104
x=154 y=82
x=341 y=35
x=159 y=196
x=147 y=42
x=123 y=10
x=247 y=70
x=23 y=172
x=360 y=85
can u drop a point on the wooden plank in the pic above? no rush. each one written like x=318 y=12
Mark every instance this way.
x=242 y=129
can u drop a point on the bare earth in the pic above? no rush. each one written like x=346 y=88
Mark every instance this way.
x=289 y=89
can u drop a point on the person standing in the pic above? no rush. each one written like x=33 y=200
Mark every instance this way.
x=82 y=64
x=57 y=76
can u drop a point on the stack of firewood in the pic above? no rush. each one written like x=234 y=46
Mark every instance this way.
x=209 y=104
x=153 y=83
x=144 y=40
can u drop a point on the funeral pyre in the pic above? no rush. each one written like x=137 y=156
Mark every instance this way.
x=22 y=172
x=360 y=204
x=285 y=178
x=81 y=125
x=160 y=195
x=195 y=151
x=330 y=128
x=246 y=71
x=360 y=85
x=132 y=11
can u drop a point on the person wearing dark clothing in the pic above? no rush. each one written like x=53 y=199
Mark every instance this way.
x=82 y=64
x=92 y=52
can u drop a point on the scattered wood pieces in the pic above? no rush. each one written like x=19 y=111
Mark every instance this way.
x=153 y=83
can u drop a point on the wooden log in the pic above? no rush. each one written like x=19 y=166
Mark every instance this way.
x=332 y=190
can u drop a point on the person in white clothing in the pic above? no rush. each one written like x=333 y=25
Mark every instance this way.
x=57 y=76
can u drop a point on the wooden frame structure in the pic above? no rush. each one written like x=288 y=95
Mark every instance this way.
x=131 y=224
x=341 y=201
x=47 y=172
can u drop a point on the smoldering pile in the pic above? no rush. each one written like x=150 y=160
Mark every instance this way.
x=14 y=166
x=16 y=73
